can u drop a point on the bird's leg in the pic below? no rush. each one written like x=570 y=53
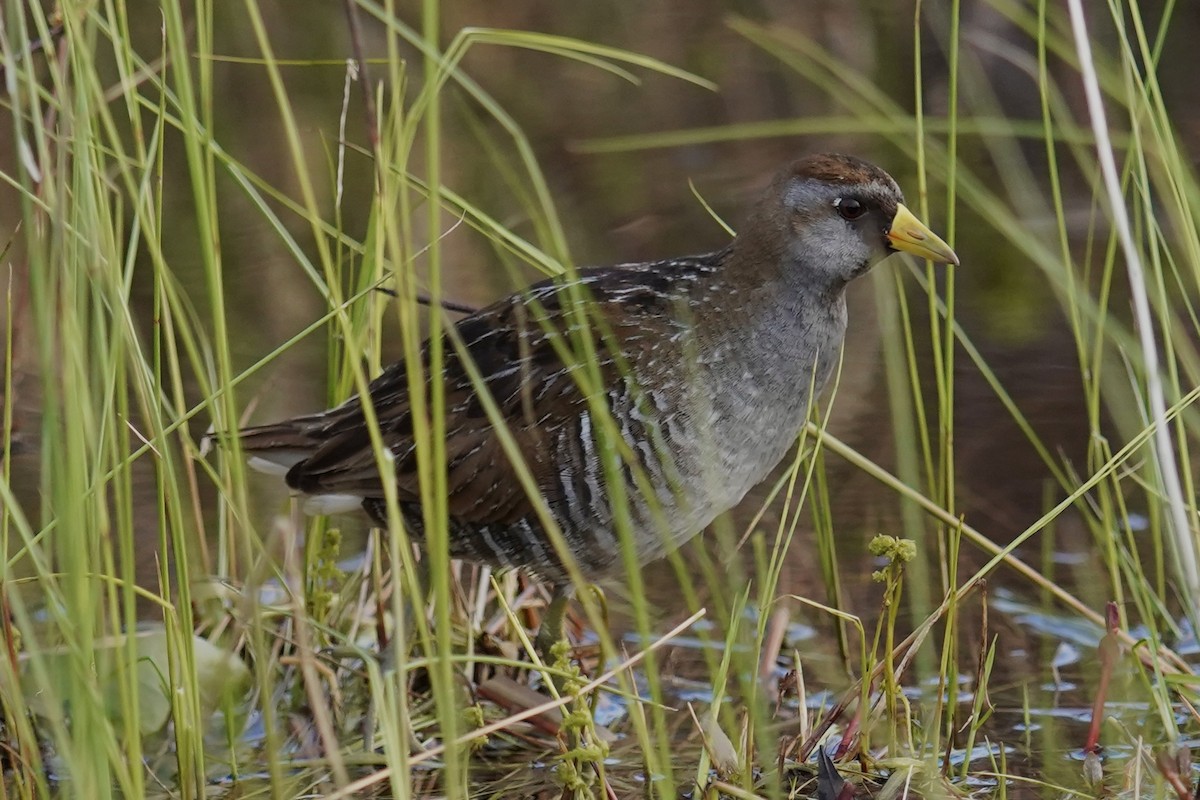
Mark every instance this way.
x=585 y=751
x=553 y=629
x=414 y=603
x=554 y=623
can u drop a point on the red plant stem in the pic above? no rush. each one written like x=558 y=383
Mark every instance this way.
x=1109 y=651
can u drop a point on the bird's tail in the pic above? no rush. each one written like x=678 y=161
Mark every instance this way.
x=273 y=448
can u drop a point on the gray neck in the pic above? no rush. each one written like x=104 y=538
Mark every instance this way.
x=778 y=315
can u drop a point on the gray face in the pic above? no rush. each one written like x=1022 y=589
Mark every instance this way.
x=839 y=228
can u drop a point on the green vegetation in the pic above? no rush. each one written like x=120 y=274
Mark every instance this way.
x=198 y=205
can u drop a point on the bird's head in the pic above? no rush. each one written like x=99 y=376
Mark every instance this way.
x=836 y=216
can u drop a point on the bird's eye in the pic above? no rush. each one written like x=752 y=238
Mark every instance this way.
x=849 y=208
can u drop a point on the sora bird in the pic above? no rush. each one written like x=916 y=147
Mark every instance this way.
x=696 y=384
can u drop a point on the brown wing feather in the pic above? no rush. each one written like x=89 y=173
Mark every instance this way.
x=536 y=395
x=518 y=347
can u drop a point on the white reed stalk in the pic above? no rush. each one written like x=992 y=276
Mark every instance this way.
x=1161 y=445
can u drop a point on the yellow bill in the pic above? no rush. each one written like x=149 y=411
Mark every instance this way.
x=912 y=236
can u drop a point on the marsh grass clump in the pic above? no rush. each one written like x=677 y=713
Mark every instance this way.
x=185 y=192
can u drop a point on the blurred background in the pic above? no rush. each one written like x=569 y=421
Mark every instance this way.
x=625 y=163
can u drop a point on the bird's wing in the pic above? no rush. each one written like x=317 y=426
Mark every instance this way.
x=526 y=350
